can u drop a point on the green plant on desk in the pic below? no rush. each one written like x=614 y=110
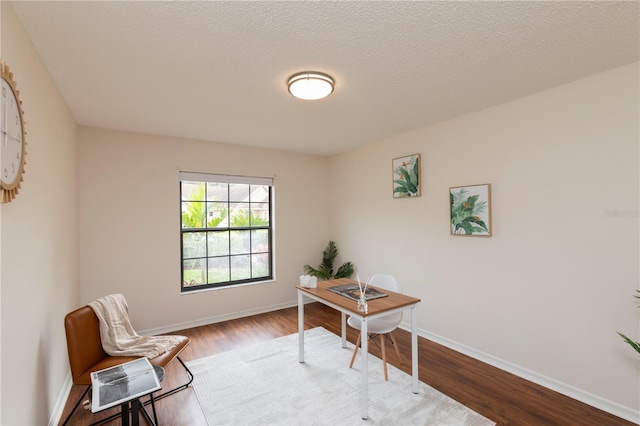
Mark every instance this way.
x=325 y=270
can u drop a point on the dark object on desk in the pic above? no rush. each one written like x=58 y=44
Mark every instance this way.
x=86 y=354
x=352 y=291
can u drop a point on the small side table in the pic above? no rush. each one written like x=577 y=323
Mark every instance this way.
x=124 y=385
x=160 y=373
x=137 y=405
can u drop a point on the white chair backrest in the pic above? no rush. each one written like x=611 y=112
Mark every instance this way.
x=385 y=281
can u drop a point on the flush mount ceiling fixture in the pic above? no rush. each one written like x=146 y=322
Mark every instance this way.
x=310 y=85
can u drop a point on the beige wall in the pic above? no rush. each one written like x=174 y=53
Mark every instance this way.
x=39 y=276
x=549 y=290
x=130 y=223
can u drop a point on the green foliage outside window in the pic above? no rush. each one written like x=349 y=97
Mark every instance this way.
x=223 y=241
x=241 y=219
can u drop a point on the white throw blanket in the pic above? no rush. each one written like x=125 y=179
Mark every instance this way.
x=118 y=336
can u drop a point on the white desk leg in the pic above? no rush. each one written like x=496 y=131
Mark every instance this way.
x=414 y=349
x=364 y=353
x=300 y=327
x=344 y=329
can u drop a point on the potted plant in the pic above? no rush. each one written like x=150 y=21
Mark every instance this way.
x=633 y=344
x=325 y=269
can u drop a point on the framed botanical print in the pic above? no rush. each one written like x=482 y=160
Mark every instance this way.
x=470 y=208
x=406 y=176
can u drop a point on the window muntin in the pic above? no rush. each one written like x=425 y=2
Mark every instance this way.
x=226 y=231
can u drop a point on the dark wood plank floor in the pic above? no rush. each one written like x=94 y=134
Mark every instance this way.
x=500 y=396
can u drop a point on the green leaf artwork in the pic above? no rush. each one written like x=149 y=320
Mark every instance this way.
x=470 y=210
x=406 y=176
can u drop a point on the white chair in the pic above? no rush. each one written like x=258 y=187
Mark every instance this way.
x=382 y=326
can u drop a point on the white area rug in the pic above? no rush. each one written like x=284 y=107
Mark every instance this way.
x=264 y=384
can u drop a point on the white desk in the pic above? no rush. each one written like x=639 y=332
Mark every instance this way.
x=394 y=302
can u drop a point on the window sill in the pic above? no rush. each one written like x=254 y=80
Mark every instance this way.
x=226 y=287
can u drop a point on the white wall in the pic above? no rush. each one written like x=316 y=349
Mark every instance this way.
x=130 y=223
x=548 y=291
x=39 y=245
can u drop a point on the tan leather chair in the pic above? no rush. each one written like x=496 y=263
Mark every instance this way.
x=86 y=354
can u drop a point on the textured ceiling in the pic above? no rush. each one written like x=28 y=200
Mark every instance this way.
x=217 y=71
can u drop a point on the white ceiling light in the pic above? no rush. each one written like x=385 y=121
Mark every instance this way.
x=310 y=85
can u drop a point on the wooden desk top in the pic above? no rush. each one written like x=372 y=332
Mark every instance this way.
x=392 y=301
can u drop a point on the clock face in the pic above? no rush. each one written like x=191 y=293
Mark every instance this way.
x=11 y=138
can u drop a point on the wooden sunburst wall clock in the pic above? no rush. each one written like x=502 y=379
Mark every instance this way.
x=12 y=137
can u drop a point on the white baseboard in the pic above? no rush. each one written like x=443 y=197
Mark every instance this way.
x=553 y=384
x=216 y=319
x=61 y=401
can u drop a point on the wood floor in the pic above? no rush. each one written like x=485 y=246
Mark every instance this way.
x=499 y=396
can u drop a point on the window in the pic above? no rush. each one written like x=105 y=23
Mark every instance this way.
x=226 y=230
